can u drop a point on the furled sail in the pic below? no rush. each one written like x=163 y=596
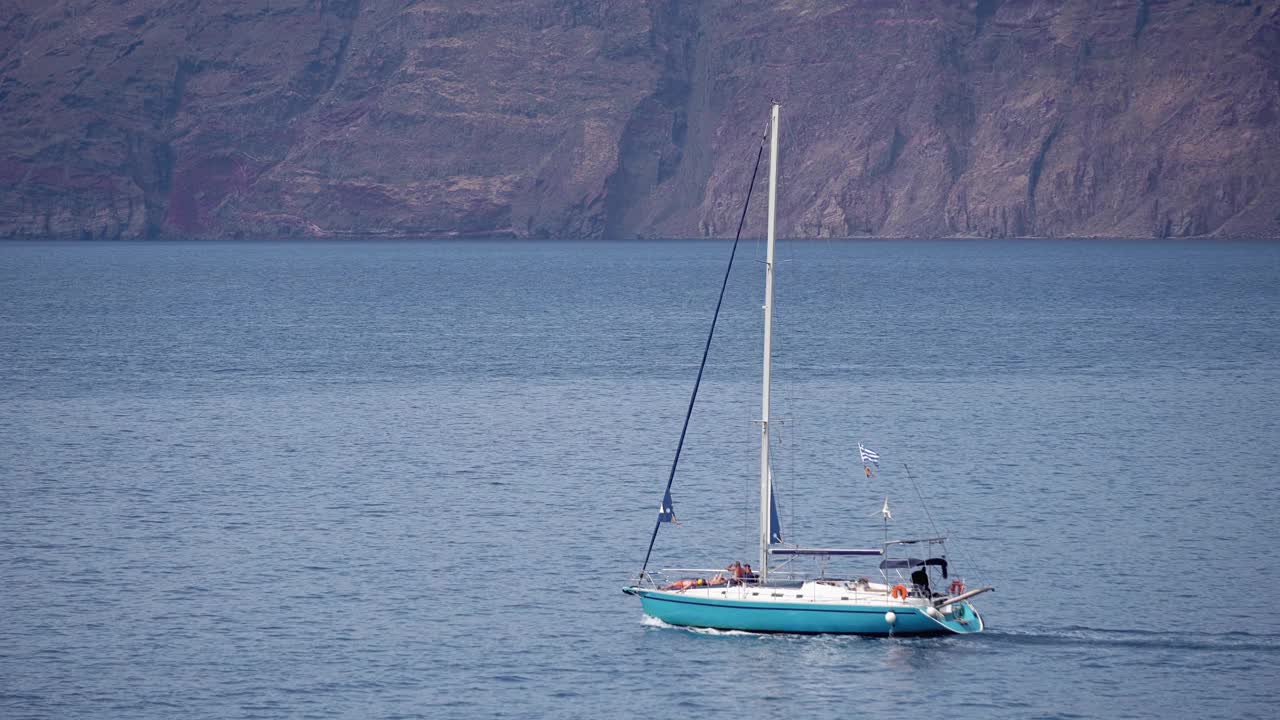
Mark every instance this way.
x=775 y=525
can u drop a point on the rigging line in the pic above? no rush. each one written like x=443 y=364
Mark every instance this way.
x=929 y=515
x=923 y=504
x=707 y=348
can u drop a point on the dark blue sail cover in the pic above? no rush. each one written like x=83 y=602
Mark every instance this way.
x=775 y=525
x=832 y=552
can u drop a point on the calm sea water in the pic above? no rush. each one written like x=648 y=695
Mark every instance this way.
x=377 y=480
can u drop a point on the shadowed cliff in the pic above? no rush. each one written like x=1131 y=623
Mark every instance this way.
x=567 y=118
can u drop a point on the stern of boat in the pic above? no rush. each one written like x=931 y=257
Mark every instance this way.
x=960 y=618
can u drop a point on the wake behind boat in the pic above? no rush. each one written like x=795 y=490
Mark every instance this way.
x=901 y=602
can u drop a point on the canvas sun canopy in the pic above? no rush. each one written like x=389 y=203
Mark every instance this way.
x=907 y=563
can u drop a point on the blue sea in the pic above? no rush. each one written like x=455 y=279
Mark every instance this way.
x=409 y=479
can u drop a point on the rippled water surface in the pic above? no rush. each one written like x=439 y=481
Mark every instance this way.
x=344 y=480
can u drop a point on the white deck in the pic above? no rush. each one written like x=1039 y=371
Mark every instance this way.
x=826 y=592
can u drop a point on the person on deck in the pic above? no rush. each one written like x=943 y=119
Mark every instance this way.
x=920 y=582
x=735 y=572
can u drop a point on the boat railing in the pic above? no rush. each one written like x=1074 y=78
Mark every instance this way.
x=668 y=576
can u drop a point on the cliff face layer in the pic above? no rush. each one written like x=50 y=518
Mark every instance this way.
x=567 y=118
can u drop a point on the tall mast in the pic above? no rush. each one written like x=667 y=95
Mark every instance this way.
x=766 y=480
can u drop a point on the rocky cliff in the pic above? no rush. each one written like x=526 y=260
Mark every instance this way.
x=569 y=118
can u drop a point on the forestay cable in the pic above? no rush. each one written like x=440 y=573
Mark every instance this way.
x=665 y=507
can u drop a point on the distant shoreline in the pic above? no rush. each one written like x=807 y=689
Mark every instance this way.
x=375 y=238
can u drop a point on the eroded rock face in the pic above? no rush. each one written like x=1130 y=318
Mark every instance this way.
x=568 y=118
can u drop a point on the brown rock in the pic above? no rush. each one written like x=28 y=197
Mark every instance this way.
x=566 y=118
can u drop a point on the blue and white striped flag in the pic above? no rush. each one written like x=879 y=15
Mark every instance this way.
x=868 y=456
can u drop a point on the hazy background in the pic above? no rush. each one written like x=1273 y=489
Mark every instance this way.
x=572 y=119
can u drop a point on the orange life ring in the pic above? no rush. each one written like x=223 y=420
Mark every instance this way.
x=957 y=586
x=899 y=591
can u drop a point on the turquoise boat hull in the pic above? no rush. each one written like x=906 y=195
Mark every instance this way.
x=802 y=618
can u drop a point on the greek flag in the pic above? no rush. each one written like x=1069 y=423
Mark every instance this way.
x=868 y=456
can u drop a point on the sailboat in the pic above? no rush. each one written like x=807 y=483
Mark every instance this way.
x=898 y=600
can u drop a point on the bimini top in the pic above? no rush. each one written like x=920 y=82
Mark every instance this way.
x=902 y=563
x=824 y=551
